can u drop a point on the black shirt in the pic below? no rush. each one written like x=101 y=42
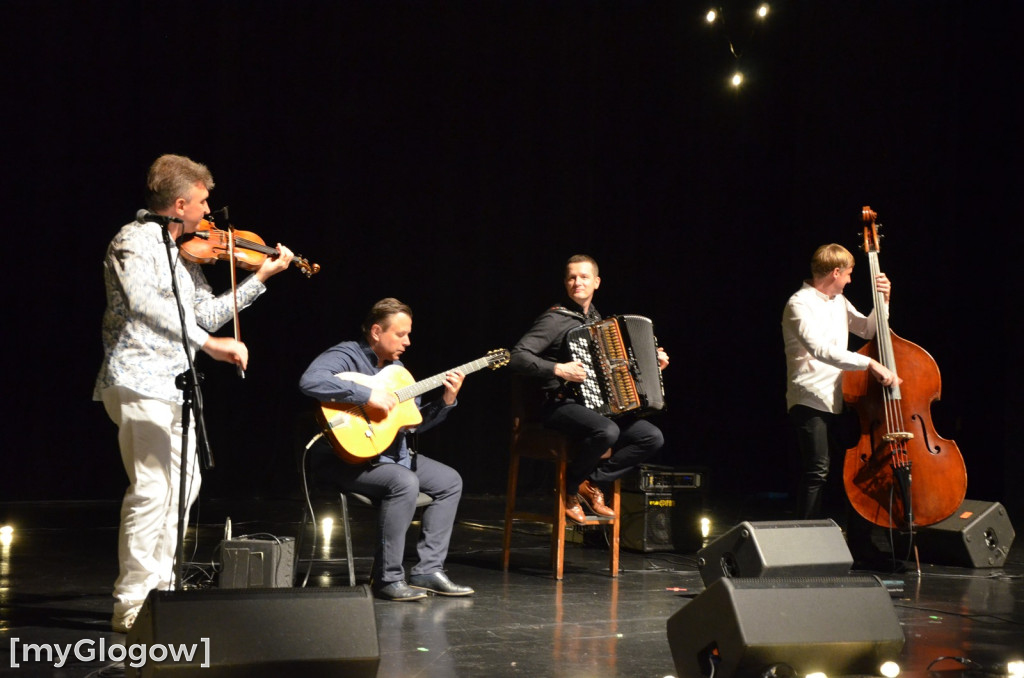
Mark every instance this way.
x=545 y=345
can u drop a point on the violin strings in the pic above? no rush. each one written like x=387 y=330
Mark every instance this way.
x=244 y=242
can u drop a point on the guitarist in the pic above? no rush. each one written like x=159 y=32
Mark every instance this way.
x=397 y=476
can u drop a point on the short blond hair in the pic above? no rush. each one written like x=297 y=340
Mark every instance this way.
x=828 y=258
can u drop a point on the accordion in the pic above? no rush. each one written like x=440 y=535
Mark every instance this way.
x=620 y=354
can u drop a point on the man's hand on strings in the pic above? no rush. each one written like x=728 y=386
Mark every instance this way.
x=273 y=265
x=883 y=285
x=452 y=383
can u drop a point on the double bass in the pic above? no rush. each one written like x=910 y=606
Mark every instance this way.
x=901 y=473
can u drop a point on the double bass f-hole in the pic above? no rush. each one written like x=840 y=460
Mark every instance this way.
x=937 y=449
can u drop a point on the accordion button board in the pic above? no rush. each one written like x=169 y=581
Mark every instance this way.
x=620 y=355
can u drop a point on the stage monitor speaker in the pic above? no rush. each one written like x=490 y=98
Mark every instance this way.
x=978 y=534
x=661 y=521
x=792 y=548
x=257 y=633
x=744 y=627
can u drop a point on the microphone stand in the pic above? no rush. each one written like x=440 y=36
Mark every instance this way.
x=192 y=397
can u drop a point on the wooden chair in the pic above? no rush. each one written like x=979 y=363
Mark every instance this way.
x=532 y=440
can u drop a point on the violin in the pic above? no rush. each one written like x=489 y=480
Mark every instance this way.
x=209 y=244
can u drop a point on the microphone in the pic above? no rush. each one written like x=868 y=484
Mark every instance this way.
x=142 y=216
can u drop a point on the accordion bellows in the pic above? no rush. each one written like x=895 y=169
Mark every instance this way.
x=620 y=354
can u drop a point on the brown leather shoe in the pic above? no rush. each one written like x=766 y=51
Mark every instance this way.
x=573 y=510
x=594 y=498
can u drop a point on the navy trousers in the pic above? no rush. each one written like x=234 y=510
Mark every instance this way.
x=396 y=488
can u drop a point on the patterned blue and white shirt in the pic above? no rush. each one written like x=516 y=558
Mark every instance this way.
x=141 y=328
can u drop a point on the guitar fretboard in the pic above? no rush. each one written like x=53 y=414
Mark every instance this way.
x=421 y=387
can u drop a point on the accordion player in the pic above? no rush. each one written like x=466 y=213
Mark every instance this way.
x=620 y=355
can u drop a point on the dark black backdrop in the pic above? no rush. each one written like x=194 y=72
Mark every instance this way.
x=453 y=154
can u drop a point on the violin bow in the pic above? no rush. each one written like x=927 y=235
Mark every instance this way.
x=234 y=283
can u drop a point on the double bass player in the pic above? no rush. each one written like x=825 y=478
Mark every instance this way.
x=816 y=324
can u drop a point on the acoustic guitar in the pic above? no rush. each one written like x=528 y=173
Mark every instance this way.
x=358 y=433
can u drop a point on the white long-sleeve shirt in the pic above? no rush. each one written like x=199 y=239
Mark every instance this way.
x=816 y=330
x=141 y=328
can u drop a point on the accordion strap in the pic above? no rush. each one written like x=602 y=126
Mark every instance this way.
x=573 y=314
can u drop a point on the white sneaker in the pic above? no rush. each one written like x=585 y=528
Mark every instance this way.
x=122 y=623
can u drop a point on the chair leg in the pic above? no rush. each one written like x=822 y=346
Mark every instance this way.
x=510 y=507
x=558 y=525
x=616 y=524
x=299 y=542
x=349 y=559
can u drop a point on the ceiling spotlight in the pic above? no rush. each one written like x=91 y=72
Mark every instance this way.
x=1015 y=669
x=737 y=79
x=762 y=11
x=711 y=16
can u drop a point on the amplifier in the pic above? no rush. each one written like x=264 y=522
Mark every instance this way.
x=655 y=478
x=249 y=563
x=662 y=521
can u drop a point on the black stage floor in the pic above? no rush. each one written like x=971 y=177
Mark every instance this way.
x=57 y=570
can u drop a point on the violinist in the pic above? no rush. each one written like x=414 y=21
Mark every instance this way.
x=816 y=325
x=143 y=354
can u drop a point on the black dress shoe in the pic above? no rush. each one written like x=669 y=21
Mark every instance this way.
x=439 y=583
x=398 y=590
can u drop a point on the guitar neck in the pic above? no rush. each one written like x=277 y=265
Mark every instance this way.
x=430 y=383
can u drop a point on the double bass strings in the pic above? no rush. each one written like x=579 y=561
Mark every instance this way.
x=896 y=436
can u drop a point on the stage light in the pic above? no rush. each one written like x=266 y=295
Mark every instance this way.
x=1015 y=669
x=6 y=535
x=817 y=674
x=737 y=79
x=889 y=669
x=711 y=16
x=762 y=11
x=326 y=528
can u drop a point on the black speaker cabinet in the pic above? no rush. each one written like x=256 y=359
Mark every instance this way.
x=792 y=548
x=257 y=633
x=978 y=534
x=661 y=521
x=741 y=627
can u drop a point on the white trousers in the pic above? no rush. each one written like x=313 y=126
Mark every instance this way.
x=149 y=434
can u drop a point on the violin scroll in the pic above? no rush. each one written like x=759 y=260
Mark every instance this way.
x=307 y=269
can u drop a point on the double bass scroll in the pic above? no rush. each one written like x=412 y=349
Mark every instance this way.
x=901 y=473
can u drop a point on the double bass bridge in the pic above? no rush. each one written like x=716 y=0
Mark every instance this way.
x=898 y=436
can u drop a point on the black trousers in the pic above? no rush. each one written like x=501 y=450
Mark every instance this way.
x=632 y=441
x=819 y=436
